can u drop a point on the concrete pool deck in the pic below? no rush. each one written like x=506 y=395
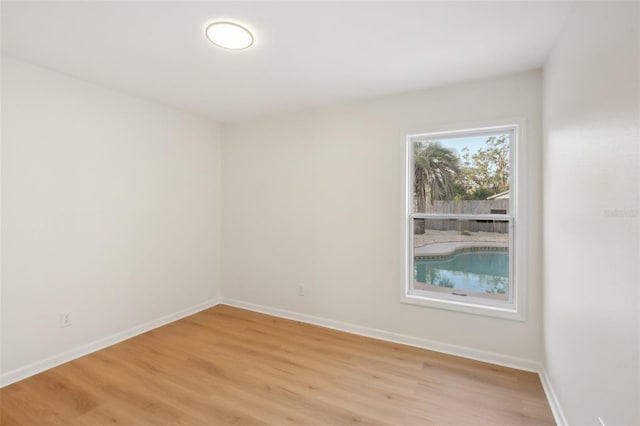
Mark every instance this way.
x=447 y=248
x=443 y=243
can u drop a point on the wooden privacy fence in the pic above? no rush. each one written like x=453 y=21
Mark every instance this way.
x=468 y=207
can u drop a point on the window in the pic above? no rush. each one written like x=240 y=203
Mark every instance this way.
x=460 y=222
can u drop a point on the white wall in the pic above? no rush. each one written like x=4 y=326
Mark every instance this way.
x=315 y=197
x=591 y=201
x=110 y=211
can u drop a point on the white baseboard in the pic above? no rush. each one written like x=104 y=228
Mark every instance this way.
x=432 y=345
x=556 y=409
x=53 y=361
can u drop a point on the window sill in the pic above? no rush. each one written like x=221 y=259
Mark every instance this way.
x=467 y=308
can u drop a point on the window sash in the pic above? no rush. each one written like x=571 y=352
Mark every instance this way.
x=511 y=130
x=451 y=298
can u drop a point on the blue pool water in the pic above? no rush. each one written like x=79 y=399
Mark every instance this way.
x=481 y=271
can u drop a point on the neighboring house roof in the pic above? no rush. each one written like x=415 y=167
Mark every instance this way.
x=500 y=196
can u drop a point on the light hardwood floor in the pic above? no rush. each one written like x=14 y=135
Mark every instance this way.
x=231 y=366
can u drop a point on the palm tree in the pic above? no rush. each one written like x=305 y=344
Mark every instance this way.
x=436 y=169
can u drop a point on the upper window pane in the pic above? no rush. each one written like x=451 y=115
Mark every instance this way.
x=462 y=174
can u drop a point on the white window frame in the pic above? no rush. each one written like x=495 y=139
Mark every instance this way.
x=515 y=308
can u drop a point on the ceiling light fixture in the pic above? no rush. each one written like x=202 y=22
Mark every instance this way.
x=229 y=35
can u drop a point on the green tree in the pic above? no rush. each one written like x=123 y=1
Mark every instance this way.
x=436 y=170
x=486 y=172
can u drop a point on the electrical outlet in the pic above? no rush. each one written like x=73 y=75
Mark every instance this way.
x=65 y=319
x=300 y=289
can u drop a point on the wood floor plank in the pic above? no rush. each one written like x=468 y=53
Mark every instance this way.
x=231 y=366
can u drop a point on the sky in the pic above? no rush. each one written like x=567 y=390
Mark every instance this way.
x=474 y=143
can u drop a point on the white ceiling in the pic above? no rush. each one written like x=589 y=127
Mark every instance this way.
x=305 y=53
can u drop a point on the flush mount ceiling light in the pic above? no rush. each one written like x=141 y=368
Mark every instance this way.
x=229 y=35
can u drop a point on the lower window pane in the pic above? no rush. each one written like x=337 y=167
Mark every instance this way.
x=462 y=258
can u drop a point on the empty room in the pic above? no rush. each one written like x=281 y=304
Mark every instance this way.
x=320 y=213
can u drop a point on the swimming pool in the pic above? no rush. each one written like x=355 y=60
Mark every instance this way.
x=479 y=271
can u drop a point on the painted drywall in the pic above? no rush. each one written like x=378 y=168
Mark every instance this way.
x=591 y=202
x=315 y=198
x=110 y=212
